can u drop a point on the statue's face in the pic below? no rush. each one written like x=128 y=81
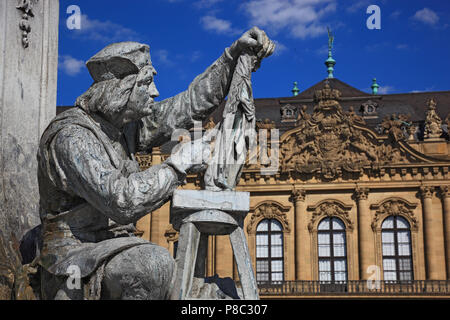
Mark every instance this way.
x=142 y=97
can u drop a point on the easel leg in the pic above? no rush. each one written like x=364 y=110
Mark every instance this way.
x=244 y=264
x=186 y=260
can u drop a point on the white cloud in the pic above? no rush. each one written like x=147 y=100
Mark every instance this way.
x=162 y=57
x=70 y=65
x=426 y=16
x=402 y=46
x=105 y=31
x=385 y=89
x=206 y=3
x=214 y=24
x=279 y=48
x=302 y=18
x=359 y=6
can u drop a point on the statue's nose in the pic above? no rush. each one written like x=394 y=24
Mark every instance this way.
x=153 y=91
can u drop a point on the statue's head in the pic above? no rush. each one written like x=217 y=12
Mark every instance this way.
x=123 y=88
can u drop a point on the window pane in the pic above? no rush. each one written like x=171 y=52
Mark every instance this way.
x=277 y=266
x=325 y=276
x=276 y=239
x=275 y=225
x=389 y=264
x=340 y=276
x=262 y=276
x=388 y=249
x=404 y=249
x=324 y=250
x=387 y=236
x=405 y=264
x=262 y=239
x=276 y=251
x=339 y=244
x=262 y=251
x=402 y=223
x=263 y=225
x=405 y=276
x=403 y=236
x=324 y=265
x=388 y=223
x=338 y=224
x=324 y=238
x=277 y=276
x=262 y=266
x=324 y=224
x=340 y=265
x=390 y=276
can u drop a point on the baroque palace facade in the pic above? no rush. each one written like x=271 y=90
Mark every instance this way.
x=361 y=193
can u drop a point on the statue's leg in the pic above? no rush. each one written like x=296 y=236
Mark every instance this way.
x=143 y=272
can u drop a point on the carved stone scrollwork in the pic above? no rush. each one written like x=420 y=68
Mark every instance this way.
x=361 y=193
x=332 y=144
x=394 y=207
x=298 y=195
x=444 y=191
x=269 y=210
x=26 y=6
x=426 y=191
x=330 y=208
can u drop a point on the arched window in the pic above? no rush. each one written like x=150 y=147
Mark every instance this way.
x=396 y=242
x=332 y=250
x=269 y=251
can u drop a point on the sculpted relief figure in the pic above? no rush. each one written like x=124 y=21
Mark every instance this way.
x=92 y=191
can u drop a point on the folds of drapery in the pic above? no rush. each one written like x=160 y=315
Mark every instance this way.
x=235 y=134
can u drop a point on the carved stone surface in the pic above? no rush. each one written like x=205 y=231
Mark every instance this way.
x=330 y=208
x=330 y=142
x=426 y=191
x=298 y=195
x=27 y=105
x=26 y=6
x=394 y=207
x=269 y=210
x=361 y=193
x=288 y=113
x=433 y=122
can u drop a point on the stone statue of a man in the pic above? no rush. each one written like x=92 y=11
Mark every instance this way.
x=92 y=191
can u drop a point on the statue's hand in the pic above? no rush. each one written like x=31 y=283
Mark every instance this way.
x=190 y=157
x=254 y=40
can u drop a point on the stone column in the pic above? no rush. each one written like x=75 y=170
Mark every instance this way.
x=28 y=75
x=445 y=195
x=433 y=237
x=366 y=248
x=302 y=238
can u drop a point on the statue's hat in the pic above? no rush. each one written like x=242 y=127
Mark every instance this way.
x=118 y=60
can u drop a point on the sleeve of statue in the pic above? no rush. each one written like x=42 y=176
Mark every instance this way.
x=206 y=92
x=236 y=132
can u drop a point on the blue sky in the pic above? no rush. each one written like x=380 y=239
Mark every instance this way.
x=409 y=53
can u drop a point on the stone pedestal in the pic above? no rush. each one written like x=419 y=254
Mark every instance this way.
x=198 y=214
x=28 y=74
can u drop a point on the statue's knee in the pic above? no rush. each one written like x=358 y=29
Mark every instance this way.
x=141 y=272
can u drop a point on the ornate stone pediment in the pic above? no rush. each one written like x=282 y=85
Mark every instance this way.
x=394 y=207
x=269 y=210
x=331 y=142
x=288 y=113
x=330 y=208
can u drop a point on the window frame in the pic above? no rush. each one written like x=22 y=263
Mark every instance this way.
x=332 y=258
x=268 y=234
x=396 y=255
